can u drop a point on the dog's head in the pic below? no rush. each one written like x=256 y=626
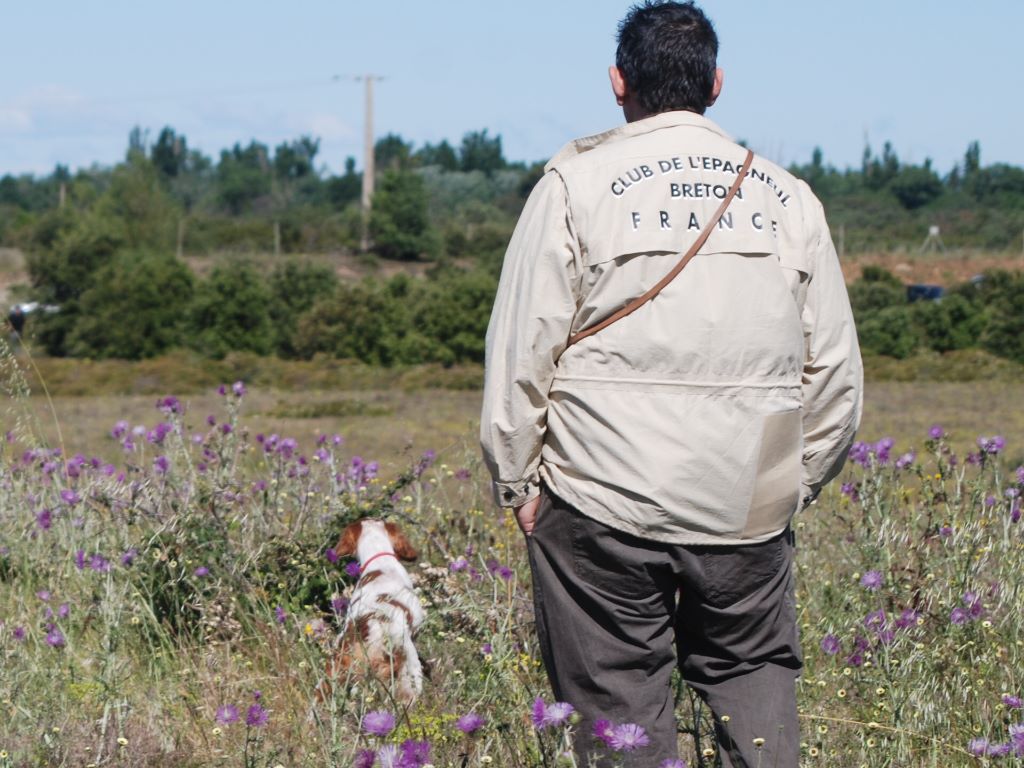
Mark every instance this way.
x=349 y=541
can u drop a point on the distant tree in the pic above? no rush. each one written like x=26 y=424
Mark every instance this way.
x=347 y=188
x=441 y=155
x=230 y=312
x=243 y=175
x=916 y=186
x=136 y=308
x=294 y=159
x=479 y=152
x=170 y=153
x=399 y=224
x=392 y=153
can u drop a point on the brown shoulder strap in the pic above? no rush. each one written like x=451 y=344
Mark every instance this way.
x=697 y=244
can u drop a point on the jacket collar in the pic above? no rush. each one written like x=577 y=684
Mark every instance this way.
x=636 y=128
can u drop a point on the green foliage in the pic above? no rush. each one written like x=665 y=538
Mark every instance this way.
x=889 y=331
x=915 y=186
x=402 y=320
x=1003 y=294
x=399 y=224
x=479 y=152
x=243 y=176
x=231 y=312
x=952 y=323
x=294 y=288
x=136 y=308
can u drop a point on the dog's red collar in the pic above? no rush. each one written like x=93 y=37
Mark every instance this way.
x=364 y=566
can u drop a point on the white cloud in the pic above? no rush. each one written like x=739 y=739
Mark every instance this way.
x=15 y=120
x=328 y=127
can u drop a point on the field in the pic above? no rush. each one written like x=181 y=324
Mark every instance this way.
x=174 y=601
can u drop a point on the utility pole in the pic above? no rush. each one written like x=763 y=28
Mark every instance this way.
x=368 y=164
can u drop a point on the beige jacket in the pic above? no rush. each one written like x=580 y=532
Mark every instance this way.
x=711 y=413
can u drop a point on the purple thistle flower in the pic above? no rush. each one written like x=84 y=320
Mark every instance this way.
x=69 y=497
x=1020 y=475
x=1000 y=750
x=161 y=464
x=201 y=571
x=1013 y=702
x=978 y=747
x=158 y=433
x=256 y=716
x=378 y=722
x=850 y=491
x=603 y=731
x=906 y=460
x=44 y=519
x=871 y=580
x=339 y=605
x=364 y=758
x=991 y=445
x=353 y=569
x=936 y=432
x=226 y=714
x=458 y=564
x=547 y=715
x=280 y=615
x=470 y=722
x=672 y=762
x=860 y=453
x=413 y=754
x=18 y=633
x=875 y=620
x=1017 y=738
x=830 y=644
x=169 y=404
x=945 y=531
x=55 y=638
x=958 y=616
x=238 y=388
x=44 y=595
x=505 y=573
x=129 y=557
x=80 y=559
x=99 y=563
x=63 y=611
x=907 y=619
x=628 y=737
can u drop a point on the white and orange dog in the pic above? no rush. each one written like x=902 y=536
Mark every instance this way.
x=384 y=613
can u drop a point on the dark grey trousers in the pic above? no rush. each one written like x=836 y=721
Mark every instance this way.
x=616 y=613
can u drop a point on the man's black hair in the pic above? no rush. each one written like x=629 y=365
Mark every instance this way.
x=667 y=54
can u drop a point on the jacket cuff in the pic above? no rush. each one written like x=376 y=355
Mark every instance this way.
x=516 y=493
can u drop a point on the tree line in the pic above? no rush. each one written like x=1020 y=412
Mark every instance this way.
x=105 y=245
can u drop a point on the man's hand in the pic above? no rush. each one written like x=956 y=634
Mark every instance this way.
x=526 y=515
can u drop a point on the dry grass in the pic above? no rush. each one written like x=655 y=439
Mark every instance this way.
x=394 y=425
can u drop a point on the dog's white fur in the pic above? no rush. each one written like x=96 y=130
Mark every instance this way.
x=384 y=613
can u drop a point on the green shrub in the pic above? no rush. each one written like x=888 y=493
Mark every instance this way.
x=135 y=308
x=889 y=331
x=231 y=312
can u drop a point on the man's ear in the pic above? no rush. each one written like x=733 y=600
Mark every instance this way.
x=619 y=87
x=716 y=88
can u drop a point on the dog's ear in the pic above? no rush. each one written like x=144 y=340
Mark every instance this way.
x=403 y=548
x=346 y=546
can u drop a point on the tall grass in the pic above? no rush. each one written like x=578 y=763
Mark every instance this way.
x=177 y=607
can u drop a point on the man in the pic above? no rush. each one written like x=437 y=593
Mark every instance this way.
x=655 y=465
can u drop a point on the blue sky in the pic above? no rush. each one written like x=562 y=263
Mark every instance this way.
x=75 y=77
